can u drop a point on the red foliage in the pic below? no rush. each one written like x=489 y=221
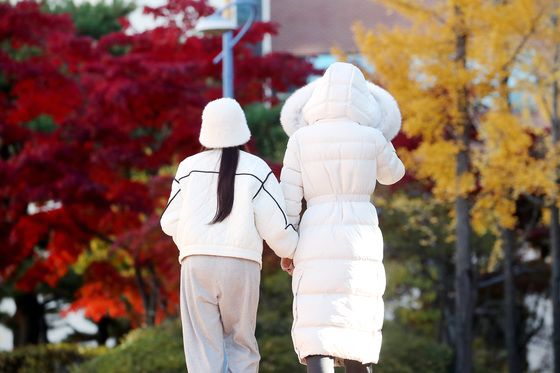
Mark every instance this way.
x=25 y=25
x=32 y=99
x=84 y=123
x=107 y=293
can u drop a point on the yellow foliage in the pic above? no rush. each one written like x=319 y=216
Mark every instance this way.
x=140 y=176
x=167 y=170
x=546 y=216
x=418 y=65
x=102 y=251
x=496 y=255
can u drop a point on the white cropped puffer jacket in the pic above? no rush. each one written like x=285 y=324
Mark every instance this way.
x=257 y=213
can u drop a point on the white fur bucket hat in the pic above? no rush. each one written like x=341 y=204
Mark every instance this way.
x=376 y=107
x=223 y=124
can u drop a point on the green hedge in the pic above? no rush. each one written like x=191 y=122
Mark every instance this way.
x=405 y=352
x=274 y=324
x=51 y=358
x=157 y=349
x=160 y=349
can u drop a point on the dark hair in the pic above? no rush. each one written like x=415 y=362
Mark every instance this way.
x=226 y=183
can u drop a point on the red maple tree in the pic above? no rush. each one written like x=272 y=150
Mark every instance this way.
x=87 y=129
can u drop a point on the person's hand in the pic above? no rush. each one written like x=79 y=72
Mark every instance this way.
x=287 y=265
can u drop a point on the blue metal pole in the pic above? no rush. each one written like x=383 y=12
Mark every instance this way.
x=227 y=64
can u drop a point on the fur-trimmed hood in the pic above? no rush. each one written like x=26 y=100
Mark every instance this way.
x=342 y=92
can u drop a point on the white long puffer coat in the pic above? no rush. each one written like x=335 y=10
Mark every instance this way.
x=337 y=150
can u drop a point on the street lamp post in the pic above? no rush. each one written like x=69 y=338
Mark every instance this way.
x=227 y=65
x=217 y=23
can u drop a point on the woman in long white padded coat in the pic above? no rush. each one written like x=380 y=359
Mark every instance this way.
x=340 y=127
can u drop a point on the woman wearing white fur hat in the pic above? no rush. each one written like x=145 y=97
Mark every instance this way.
x=340 y=127
x=223 y=203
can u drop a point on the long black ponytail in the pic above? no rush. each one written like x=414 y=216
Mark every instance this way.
x=226 y=183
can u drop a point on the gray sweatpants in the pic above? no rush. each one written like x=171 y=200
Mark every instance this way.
x=219 y=299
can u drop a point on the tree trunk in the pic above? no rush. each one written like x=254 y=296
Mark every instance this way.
x=463 y=289
x=445 y=303
x=555 y=284
x=102 y=334
x=28 y=324
x=147 y=296
x=510 y=304
x=463 y=260
x=554 y=219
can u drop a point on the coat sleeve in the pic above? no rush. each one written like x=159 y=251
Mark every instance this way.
x=291 y=182
x=390 y=168
x=170 y=215
x=271 y=220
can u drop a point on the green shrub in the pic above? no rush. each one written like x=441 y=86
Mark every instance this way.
x=266 y=131
x=52 y=358
x=405 y=352
x=156 y=349
x=274 y=324
x=160 y=349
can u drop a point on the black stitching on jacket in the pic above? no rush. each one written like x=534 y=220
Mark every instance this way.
x=262 y=187
x=203 y=172
x=275 y=201
x=282 y=211
x=168 y=203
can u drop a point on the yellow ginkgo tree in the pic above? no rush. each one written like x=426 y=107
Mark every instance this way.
x=507 y=163
x=452 y=65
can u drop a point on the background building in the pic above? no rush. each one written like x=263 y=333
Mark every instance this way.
x=313 y=27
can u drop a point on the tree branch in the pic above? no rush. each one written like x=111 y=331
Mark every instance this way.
x=524 y=40
x=417 y=8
